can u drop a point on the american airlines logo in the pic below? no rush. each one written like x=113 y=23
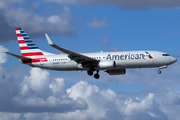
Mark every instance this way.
x=125 y=57
x=149 y=55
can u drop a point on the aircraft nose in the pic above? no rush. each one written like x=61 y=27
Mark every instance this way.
x=173 y=60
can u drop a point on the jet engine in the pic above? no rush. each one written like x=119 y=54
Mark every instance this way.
x=116 y=72
x=107 y=65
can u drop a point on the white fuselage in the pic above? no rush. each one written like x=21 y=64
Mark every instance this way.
x=123 y=60
x=114 y=63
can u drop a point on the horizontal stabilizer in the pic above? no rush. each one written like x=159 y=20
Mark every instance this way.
x=18 y=56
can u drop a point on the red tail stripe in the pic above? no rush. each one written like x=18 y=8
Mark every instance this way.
x=21 y=41
x=24 y=48
x=19 y=35
x=16 y=29
x=32 y=54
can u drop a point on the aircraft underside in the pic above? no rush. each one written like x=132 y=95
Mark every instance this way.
x=117 y=70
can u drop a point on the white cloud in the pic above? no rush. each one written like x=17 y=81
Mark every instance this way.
x=35 y=24
x=3 y=55
x=37 y=82
x=101 y=103
x=54 y=24
x=38 y=91
x=58 y=87
x=54 y=19
x=38 y=96
x=11 y=116
x=5 y=4
x=132 y=107
x=34 y=94
x=153 y=114
x=98 y=23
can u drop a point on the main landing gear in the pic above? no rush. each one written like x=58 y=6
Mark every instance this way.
x=96 y=75
x=90 y=73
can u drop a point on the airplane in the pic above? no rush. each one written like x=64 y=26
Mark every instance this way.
x=114 y=63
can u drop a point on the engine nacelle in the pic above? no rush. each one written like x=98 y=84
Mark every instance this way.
x=116 y=72
x=108 y=64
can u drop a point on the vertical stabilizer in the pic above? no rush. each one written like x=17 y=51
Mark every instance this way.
x=27 y=47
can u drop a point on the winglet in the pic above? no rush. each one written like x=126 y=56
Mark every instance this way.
x=49 y=40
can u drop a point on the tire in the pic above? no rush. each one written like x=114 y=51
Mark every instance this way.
x=90 y=72
x=159 y=71
x=96 y=76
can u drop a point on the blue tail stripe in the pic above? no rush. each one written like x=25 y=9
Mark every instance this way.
x=31 y=44
x=28 y=41
x=33 y=47
x=26 y=37
x=22 y=31
x=19 y=28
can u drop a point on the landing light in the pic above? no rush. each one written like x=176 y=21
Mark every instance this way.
x=162 y=67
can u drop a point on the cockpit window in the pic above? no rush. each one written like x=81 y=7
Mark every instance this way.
x=165 y=55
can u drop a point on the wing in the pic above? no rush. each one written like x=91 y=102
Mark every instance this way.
x=79 y=58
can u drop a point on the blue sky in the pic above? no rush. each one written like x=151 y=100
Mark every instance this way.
x=90 y=26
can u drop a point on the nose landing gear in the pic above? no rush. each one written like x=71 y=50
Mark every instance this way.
x=159 y=71
x=162 y=67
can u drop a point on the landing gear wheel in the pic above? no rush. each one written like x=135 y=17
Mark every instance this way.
x=159 y=71
x=90 y=72
x=96 y=76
